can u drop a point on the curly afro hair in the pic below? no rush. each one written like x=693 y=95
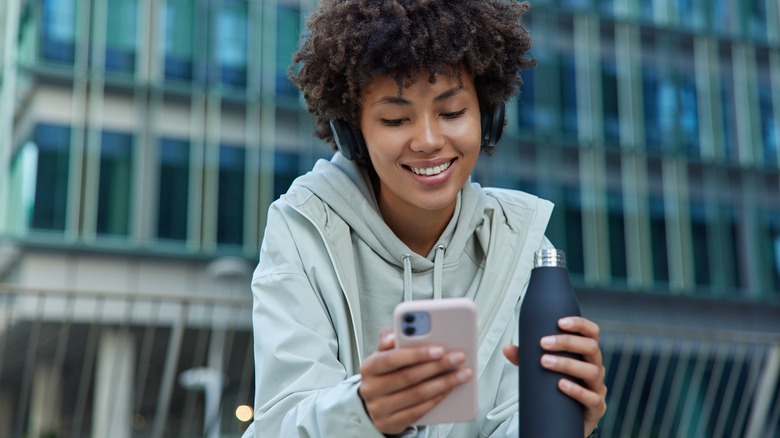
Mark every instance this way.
x=351 y=42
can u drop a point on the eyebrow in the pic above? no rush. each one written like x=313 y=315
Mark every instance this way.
x=397 y=100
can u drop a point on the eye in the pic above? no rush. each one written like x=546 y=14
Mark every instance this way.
x=454 y=115
x=392 y=122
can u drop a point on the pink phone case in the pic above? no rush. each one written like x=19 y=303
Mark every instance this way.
x=453 y=325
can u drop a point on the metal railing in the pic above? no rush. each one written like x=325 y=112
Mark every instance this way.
x=94 y=363
x=81 y=363
x=672 y=382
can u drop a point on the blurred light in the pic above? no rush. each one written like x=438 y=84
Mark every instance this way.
x=139 y=422
x=244 y=413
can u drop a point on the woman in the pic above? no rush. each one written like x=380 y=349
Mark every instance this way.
x=410 y=92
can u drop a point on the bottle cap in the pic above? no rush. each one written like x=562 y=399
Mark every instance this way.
x=550 y=257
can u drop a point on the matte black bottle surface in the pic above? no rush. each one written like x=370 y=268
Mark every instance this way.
x=546 y=412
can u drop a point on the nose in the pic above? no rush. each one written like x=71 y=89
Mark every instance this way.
x=428 y=135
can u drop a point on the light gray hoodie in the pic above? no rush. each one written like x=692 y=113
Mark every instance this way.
x=330 y=273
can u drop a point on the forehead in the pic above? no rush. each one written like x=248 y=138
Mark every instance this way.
x=422 y=82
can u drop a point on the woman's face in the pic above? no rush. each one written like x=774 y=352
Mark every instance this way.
x=422 y=143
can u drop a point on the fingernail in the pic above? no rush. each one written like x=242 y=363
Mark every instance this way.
x=464 y=374
x=566 y=323
x=457 y=357
x=436 y=352
x=566 y=384
x=549 y=360
x=548 y=341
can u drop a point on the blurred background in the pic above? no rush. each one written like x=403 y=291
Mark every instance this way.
x=141 y=142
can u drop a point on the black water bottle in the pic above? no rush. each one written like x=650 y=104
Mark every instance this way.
x=545 y=411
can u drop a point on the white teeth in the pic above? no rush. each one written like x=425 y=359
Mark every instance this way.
x=428 y=171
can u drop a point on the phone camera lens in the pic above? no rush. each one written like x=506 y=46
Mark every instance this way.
x=409 y=317
x=409 y=330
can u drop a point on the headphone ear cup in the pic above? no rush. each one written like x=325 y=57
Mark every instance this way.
x=493 y=126
x=349 y=141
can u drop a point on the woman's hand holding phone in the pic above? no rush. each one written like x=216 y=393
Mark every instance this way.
x=401 y=385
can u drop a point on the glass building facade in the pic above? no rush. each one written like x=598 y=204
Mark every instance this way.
x=162 y=129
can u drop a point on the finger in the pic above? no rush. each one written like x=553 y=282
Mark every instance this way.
x=408 y=377
x=594 y=401
x=586 y=347
x=397 y=422
x=511 y=352
x=382 y=362
x=410 y=397
x=591 y=375
x=386 y=339
x=580 y=325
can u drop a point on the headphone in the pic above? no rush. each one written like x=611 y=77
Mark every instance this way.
x=350 y=142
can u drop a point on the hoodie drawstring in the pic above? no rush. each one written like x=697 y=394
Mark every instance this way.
x=407 y=258
x=438 y=265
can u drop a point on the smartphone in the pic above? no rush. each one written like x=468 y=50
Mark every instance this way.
x=451 y=323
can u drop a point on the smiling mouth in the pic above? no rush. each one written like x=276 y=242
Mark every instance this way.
x=430 y=171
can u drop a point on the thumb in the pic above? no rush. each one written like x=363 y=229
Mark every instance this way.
x=511 y=352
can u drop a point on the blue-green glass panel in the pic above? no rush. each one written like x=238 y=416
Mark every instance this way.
x=659 y=250
x=575 y=249
x=173 y=200
x=58 y=32
x=230 y=208
x=51 y=181
x=286 y=169
x=617 y=237
x=179 y=39
x=121 y=35
x=230 y=43
x=701 y=218
x=770 y=132
x=610 y=105
x=568 y=94
x=114 y=191
x=287 y=34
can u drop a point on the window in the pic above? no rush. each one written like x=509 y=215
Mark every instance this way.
x=660 y=251
x=230 y=209
x=701 y=246
x=617 y=237
x=179 y=39
x=51 y=177
x=230 y=44
x=658 y=108
x=773 y=229
x=671 y=112
x=690 y=13
x=575 y=254
x=525 y=102
x=689 y=116
x=609 y=88
x=286 y=165
x=770 y=134
x=58 y=40
x=729 y=123
x=114 y=191
x=172 y=206
x=568 y=95
x=288 y=30
x=121 y=33
x=756 y=19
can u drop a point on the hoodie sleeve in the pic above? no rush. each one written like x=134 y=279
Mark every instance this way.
x=301 y=387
